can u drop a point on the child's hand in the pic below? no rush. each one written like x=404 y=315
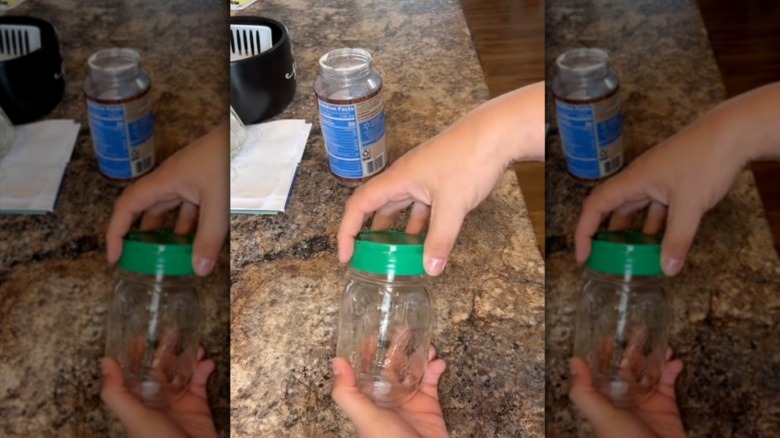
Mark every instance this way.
x=195 y=180
x=658 y=416
x=685 y=176
x=446 y=177
x=419 y=417
x=187 y=417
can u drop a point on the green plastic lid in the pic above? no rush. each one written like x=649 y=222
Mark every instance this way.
x=157 y=252
x=626 y=252
x=389 y=252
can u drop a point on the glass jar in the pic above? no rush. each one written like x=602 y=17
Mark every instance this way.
x=154 y=316
x=352 y=115
x=590 y=122
x=7 y=134
x=119 y=106
x=621 y=329
x=238 y=134
x=386 y=316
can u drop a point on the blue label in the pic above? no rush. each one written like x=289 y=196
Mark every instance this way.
x=591 y=137
x=354 y=137
x=122 y=142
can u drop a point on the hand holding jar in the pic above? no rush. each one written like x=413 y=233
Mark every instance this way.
x=449 y=175
x=685 y=176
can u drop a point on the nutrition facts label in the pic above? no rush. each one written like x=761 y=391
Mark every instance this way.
x=592 y=137
x=123 y=136
x=354 y=137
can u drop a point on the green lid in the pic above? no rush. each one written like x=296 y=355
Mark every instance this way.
x=157 y=252
x=389 y=252
x=626 y=252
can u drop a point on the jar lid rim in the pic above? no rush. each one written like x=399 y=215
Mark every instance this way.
x=157 y=253
x=626 y=252
x=389 y=252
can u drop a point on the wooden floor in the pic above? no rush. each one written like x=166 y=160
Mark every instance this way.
x=509 y=39
x=745 y=37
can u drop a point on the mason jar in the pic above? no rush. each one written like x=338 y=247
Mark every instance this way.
x=154 y=316
x=622 y=319
x=386 y=316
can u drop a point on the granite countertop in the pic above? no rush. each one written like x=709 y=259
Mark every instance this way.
x=286 y=280
x=54 y=282
x=725 y=304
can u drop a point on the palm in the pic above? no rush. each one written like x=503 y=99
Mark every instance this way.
x=191 y=412
x=660 y=413
x=423 y=413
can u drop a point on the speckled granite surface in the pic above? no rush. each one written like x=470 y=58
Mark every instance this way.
x=726 y=303
x=54 y=282
x=286 y=280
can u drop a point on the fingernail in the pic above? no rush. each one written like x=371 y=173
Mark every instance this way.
x=435 y=266
x=203 y=266
x=104 y=367
x=672 y=266
x=572 y=368
x=336 y=369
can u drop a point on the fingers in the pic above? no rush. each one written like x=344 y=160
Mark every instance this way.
x=387 y=215
x=430 y=382
x=656 y=217
x=446 y=220
x=200 y=377
x=366 y=200
x=684 y=217
x=603 y=200
x=133 y=201
x=212 y=230
x=671 y=371
x=188 y=218
x=418 y=218
x=154 y=217
x=669 y=374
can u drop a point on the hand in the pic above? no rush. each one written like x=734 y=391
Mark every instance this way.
x=419 y=417
x=189 y=416
x=656 y=417
x=195 y=180
x=686 y=175
x=446 y=177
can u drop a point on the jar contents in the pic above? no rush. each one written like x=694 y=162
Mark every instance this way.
x=119 y=106
x=386 y=316
x=352 y=116
x=153 y=319
x=590 y=122
x=623 y=316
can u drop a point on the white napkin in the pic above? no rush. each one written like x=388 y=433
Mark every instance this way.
x=262 y=174
x=31 y=172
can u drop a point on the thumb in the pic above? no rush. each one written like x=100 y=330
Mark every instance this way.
x=354 y=403
x=445 y=224
x=212 y=230
x=681 y=226
x=137 y=419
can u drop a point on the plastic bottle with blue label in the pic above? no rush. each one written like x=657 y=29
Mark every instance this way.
x=119 y=106
x=352 y=115
x=590 y=121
